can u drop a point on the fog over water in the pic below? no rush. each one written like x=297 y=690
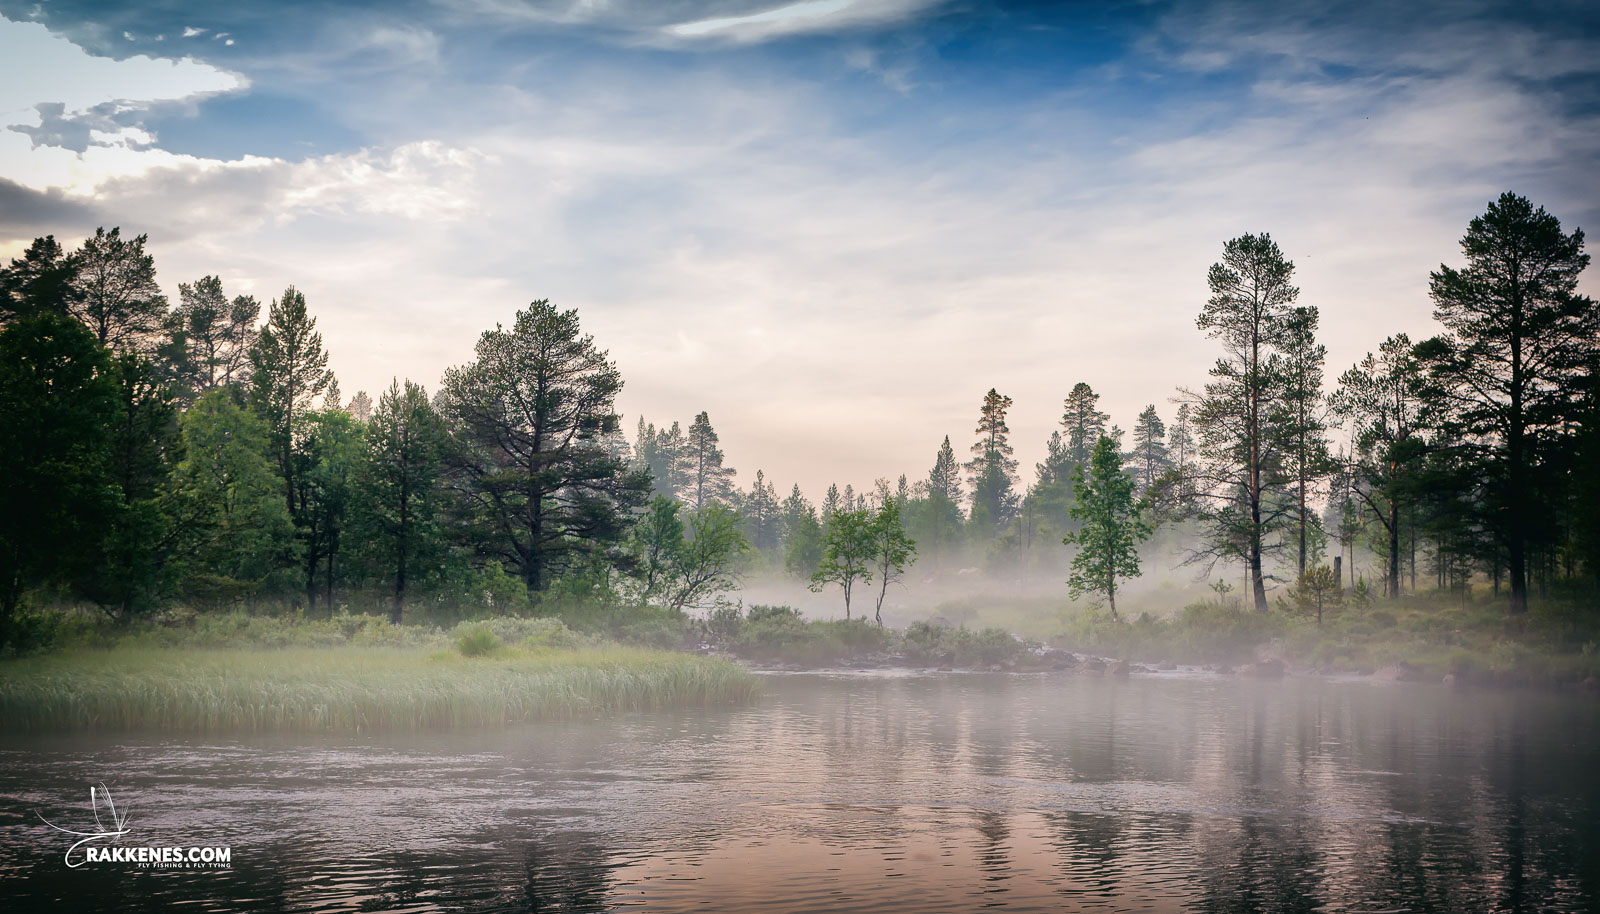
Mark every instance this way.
x=866 y=792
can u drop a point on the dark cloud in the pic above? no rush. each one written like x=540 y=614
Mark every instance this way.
x=25 y=212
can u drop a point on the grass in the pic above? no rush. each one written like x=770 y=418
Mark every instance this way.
x=353 y=686
x=1558 y=641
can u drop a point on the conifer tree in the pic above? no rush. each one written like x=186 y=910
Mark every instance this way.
x=117 y=295
x=1083 y=422
x=1299 y=421
x=1511 y=368
x=289 y=369
x=1252 y=300
x=1149 y=458
x=1112 y=526
x=529 y=417
x=992 y=469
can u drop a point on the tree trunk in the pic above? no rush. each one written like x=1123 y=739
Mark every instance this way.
x=398 y=610
x=1394 y=552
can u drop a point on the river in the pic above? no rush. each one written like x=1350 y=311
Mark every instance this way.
x=884 y=791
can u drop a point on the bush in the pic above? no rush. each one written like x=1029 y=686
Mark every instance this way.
x=477 y=642
x=725 y=621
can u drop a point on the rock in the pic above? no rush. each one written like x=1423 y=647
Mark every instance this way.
x=995 y=668
x=1223 y=670
x=1401 y=672
x=1266 y=669
x=1095 y=666
x=1121 y=669
x=1166 y=666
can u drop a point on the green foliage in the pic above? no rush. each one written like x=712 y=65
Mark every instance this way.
x=847 y=554
x=1514 y=364
x=703 y=562
x=686 y=565
x=992 y=469
x=725 y=621
x=939 y=644
x=892 y=550
x=289 y=369
x=117 y=297
x=1112 y=527
x=1234 y=484
x=1315 y=590
x=803 y=554
x=477 y=642
x=531 y=417
x=398 y=499
x=231 y=524
x=58 y=398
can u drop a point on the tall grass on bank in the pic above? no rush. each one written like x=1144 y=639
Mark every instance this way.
x=349 y=688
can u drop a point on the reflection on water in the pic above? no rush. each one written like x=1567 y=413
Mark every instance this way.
x=873 y=793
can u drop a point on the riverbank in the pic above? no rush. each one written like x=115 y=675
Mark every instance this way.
x=1419 y=638
x=420 y=680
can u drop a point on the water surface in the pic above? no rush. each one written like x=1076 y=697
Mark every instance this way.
x=868 y=792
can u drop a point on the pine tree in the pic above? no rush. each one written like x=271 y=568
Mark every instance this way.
x=1510 y=369
x=944 y=479
x=212 y=336
x=802 y=535
x=1251 y=303
x=1382 y=398
x=712 y=481
x=1150 y=457
x=42 y=280
x=1180 y=442
x=761 y=514
x=289 y=369
x=402 y=465
x=529 y=418
x=360 y=406
x=1083 y=421
x=992 y=468
x=1112 y=526
x=117 y=295
x=58 y=398
x=1299 y=420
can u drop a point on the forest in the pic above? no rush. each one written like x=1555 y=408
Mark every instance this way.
x=201 y=454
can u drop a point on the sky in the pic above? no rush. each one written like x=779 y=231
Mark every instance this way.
x=832 y=224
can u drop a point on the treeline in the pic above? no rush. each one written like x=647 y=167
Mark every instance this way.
x=194 y=453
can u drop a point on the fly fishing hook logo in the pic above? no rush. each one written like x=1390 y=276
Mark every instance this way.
x=119 y=822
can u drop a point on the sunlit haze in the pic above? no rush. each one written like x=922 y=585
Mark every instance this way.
x=831 y=225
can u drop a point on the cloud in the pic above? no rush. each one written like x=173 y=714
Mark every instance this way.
x=797 y=18
x=690 y=23
x=82 y=100
x=839 y=295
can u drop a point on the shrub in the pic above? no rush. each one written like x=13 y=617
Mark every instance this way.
x=477 y=642
x=725 y=621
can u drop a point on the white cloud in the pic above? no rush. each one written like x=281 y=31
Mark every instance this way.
x=836 y=305
x=53 y=89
